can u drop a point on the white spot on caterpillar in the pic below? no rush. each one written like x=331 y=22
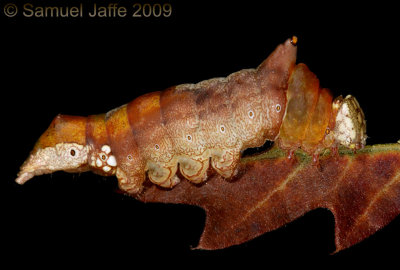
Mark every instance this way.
x=278 y=107
x=189 y=138
x=112 y=161
x=99 y=163
x=251 y=114
x=106 y=149
x=222 y=128
x=157 y=147
x=106 y=168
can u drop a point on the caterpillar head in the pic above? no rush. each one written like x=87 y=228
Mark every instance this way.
x=350 y=124
x=61 y=147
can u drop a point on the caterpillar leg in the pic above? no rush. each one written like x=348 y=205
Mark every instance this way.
x=131 y=183
x=335 y=151
x=290 y=156
x=315 y=160
x=194 y=169
x=163 y=174
x=225 y=162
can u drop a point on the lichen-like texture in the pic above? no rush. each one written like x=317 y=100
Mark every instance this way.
x=361 y=189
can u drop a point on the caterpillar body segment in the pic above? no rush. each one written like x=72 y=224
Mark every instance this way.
x=191 y=127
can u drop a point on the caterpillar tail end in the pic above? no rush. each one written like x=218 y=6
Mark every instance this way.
x=62 y=147
x=24 y=177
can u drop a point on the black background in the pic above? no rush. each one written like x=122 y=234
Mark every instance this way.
x=87 y=66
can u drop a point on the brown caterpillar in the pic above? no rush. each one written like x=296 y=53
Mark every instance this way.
x=194 y=125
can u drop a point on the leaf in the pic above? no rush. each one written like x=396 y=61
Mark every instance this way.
x=361 y=189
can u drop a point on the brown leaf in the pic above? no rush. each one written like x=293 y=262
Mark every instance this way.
x=362 y=190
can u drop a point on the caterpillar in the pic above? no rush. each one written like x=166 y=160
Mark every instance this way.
x=191 y=127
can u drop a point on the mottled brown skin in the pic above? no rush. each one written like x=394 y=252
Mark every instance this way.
x=195 y=125
x=192 y=126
